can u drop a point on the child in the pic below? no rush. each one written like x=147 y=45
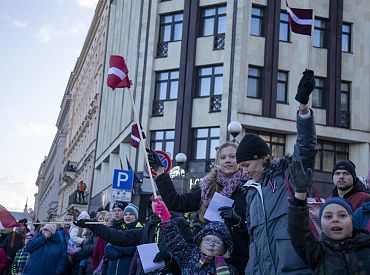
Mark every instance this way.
x=214 y=245
x=21 y=257
x=341 y=249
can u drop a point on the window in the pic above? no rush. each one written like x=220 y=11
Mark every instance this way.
x=318 y=93
x=329 y=154
x=210 y=80
x=254 y=82
x=275 y=141
x=163 y=140
x=214 y=20
x=257 y=21
x=319 y=33
x=345 y=96
x=346 y=37
x=205 y=142
x=167 y=85
x=171 y=27
x=284 y=27
x=282 y=87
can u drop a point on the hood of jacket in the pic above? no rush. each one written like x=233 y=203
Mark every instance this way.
x=357 y=188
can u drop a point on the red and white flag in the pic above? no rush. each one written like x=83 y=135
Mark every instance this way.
x=300 y=20
x=135 y=136
x=6 y=219
x=118 y=73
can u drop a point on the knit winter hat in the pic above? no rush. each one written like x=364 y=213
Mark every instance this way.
x=218 y=229
x=251 y=147
x=132 y=209
x=346 y=165
x=84 y=215
x=50 y=227
x=120 y=204
x=340 y=201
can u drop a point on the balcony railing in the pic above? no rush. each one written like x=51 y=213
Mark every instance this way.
x=162 y=49
x=215 y=103
x=73 y=199
x=345 y=119
x=70 y=167
x=219 y=42
x=158 y=108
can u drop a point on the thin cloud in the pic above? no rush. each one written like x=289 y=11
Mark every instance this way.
x=49 y=32
x=18 y=24
x=26 y=129
x=90 y=4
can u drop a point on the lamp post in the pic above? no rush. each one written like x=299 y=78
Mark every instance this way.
x=181 y=158
x=234 y=128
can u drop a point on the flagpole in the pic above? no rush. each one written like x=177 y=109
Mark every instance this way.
x=56 y=222
x=143 y=145
x=309 y=52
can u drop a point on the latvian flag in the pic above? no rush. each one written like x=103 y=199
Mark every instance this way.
x=118 y=73
x=135 y=136
x=6 y=219
x=300 y=20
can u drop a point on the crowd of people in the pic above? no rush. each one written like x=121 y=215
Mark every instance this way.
x=267 y=230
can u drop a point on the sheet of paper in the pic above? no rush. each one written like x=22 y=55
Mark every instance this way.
x=147 y=253
x=218 y=200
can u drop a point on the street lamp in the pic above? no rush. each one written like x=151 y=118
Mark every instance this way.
x=234 y=128
x=181 y=158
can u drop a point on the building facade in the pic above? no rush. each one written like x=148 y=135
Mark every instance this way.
x=84 y=87
x=197 y=65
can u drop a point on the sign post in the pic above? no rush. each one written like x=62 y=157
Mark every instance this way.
x=122 y=186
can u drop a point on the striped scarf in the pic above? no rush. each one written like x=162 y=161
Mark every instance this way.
x=221 y=266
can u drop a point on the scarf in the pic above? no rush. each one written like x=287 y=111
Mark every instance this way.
x=221 y=266
x=228 y=184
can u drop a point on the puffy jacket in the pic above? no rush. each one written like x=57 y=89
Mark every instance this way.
x=270 y=248
x=361 y=218
x=188 y=202
x=47 y=256
x=346 y=257
x=147 y=234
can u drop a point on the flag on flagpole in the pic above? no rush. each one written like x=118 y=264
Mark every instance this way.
x=129 y=167
x=6 y=219
x=300 y=20
x=135 y=136
x=118 y=73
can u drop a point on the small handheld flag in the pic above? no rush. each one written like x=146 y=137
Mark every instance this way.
x=118 y=73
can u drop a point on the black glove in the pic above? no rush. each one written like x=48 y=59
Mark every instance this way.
x=301 y=180
x=82 y=223
x=162 y=256
x=305 y=87
x=154 y=160
x=229 y=215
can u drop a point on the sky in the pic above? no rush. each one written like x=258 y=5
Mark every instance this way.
x=39 y=46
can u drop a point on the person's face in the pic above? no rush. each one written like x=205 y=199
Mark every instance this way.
x=129 y=217
x=253 y=167
x=68 y=218
x=27 y=239
x=101 y=217
x=212 y=245
x=108 y=220
x=336 y=223
x=342 y=179
x=118 y=213
x=227 y=160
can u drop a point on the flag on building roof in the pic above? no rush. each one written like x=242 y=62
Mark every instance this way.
x=135 y=136
x=6 y=219
x=300 y=20
x=118 y=73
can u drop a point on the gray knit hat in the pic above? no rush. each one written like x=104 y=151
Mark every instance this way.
x=132 y=209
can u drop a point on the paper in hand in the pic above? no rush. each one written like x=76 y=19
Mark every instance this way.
x=147 y=253
x=218 y=200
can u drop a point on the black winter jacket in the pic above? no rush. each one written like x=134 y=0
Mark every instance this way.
x=191 y=201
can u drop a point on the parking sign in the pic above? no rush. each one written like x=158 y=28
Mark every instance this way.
x=123 y=180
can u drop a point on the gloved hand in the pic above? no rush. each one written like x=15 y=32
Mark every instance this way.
x=160 y=209
x=163 y=256
x=154 y=160
x=301 y=180
x=305 y=87
x=82 y=223
x=229 y=215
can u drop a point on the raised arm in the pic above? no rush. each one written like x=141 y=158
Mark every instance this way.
x=306 y=143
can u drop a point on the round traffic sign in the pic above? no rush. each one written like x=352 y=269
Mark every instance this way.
x=165 y=159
